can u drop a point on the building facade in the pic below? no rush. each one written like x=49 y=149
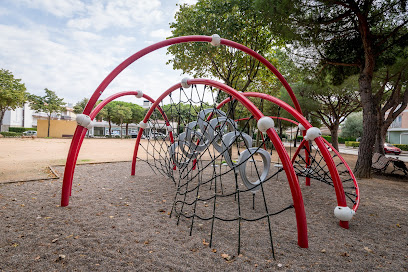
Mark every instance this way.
x=398 y=131
x=27 y=118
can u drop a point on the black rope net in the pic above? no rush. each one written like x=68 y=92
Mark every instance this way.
x=317 y=169
x=220 y=167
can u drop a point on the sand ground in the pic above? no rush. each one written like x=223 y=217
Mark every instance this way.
x=27 y=158
x=116 y=222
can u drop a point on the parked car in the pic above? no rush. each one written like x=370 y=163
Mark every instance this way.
x=389 y=148
x=30 y=133
x=157 y=135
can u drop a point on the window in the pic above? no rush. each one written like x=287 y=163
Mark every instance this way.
x=397 y=122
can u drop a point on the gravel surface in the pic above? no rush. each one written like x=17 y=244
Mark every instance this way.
x=116 y=222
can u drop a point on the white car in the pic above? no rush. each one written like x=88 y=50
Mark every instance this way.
x=30 y=133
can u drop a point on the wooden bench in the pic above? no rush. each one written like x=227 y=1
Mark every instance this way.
x=381 y=162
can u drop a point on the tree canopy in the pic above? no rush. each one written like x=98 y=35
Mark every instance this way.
x=341 y=38
x=13 y=93
x=49 y=103
x=235 y=20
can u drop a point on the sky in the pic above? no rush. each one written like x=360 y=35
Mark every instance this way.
x=70 y=46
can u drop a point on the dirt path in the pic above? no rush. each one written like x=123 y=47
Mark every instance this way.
x=25 y=159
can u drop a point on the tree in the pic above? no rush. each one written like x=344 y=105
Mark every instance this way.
x=335 y=103
x=344 y=37
x=353 y=126
x=80 y=106
x=119 y=114
x=235 y=20
x=50 y=103
x=107 y=114
x=12 y=93
x=390 y=84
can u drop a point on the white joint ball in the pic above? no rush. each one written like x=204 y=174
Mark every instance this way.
x=312 y=133
x=169 y=128
x=216 y=40
x=139 y=94
x=143 y=125
x=89 y=127
x=265 y=123
x=301 y=127
x=344 y=213
x=184 y=83
x=83 y=120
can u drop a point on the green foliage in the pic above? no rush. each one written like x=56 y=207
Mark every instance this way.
x=80 y=106
x=10 y=134
x=402 y=146
x=20 y=129
x=307 y=105
x=234 y=20
x=353 y=126
x=50 y=103
x=352 y=144
x=12 y=93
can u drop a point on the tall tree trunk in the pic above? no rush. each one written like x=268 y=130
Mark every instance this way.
x=365 y=152
x=334 y=131
x=380 y=135
x=49 y=124
x=1 y=118
x=110 y=128
x=127 y=128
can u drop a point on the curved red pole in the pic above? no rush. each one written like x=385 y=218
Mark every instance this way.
x=94 y=98
x=338 y=186
x=77 y=143
x=290 y=173
x=355 y=207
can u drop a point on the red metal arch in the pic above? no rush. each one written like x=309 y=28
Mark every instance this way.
x=290 y=173
x=101 y=88
x=76 y=145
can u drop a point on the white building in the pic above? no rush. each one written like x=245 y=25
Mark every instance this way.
x=26 y=117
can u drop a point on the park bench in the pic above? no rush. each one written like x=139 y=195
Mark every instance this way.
x=381 y=162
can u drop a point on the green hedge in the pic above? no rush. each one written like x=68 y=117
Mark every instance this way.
x=10 y=134
x=402 y=146
x=352 y=143
x=20 y=129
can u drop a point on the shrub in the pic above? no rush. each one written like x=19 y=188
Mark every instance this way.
x=402 y=146
x=10 y=134
x=20 y=129
x=352 y=144
x=328 y=138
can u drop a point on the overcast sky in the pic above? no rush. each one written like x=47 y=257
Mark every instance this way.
x=70 y=46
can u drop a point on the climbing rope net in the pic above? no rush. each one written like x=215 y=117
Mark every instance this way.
x=212 y=159
x=314 y=167
x=212 y=144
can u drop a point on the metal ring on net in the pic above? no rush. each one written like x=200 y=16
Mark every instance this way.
x=243 y=159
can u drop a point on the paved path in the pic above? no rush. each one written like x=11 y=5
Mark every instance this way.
x=354 y=151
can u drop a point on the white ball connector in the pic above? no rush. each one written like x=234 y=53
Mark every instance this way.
x=312 y=133
x=139 y=94
x=184 y=83
x=143 y=125
x=83 y=120
x=344 y=213
x=301 y=127
x=216 y=40
x=265 y=123
x=169 y=128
